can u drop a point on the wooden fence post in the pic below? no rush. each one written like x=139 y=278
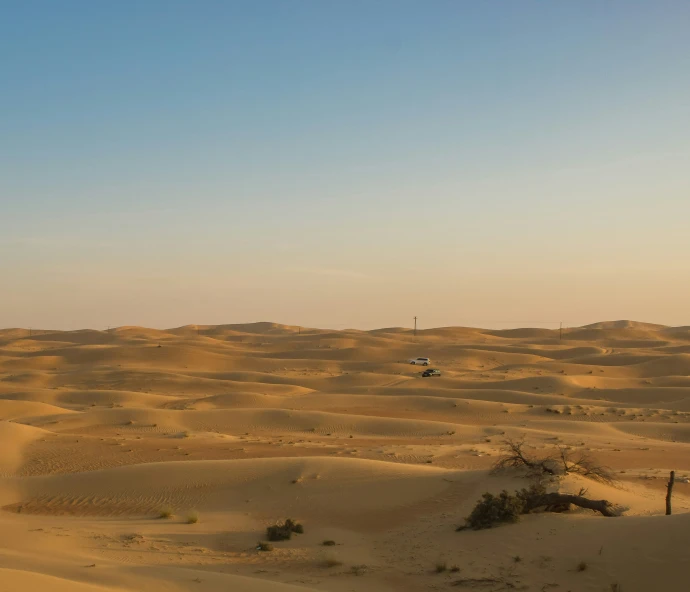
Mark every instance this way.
x=669 y=492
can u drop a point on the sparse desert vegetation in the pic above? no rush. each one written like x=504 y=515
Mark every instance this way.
x=330 y=561
x=182 y=431
x=193 y=517
x=505 y=507
x=561 y=461
x=359 y=570
x=282 y=531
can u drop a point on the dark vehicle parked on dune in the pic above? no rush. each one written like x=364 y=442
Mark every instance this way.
x=431 y=372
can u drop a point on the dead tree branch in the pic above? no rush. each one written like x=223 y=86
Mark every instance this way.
x=563 y=500
x=515 y=457
x=562 y=461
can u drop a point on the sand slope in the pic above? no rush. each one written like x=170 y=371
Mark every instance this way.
x=244 y=425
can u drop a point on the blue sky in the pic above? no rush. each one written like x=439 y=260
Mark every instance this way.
x=344 y=163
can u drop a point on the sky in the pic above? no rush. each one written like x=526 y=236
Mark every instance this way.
x=344 y=163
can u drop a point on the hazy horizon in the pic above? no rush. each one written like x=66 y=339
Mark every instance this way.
x=496 y=325
x=344 y=164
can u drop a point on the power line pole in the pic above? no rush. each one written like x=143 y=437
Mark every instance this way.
x=560 y=332
x=415 y=326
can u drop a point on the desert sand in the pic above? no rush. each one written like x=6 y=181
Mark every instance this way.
x=240 y=426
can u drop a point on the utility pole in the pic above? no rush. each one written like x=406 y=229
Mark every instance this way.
x=415 y=326
x=560 y=332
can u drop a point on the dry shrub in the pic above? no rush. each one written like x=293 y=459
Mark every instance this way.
x=282 y=531
x=561 y=461
x=505 y=507
x=330 y=561
x=492 y=510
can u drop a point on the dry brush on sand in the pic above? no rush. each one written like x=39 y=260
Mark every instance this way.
x=560 y=462
x=507 y=507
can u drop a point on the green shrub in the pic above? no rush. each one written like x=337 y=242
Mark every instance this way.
x=278 y=532
x=328 y=543
x=264 y=546
x=282 y=531
x=495 y=509
x=504 y=508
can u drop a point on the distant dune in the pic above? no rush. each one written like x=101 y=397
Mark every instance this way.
x=230 y=428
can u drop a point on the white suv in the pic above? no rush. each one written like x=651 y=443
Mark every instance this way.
x=420 y=361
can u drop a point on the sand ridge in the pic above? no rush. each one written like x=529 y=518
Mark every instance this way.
x=247 y=424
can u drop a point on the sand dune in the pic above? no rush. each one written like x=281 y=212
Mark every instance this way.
x=217 y=486
x=15 y=437
x=247 y=424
